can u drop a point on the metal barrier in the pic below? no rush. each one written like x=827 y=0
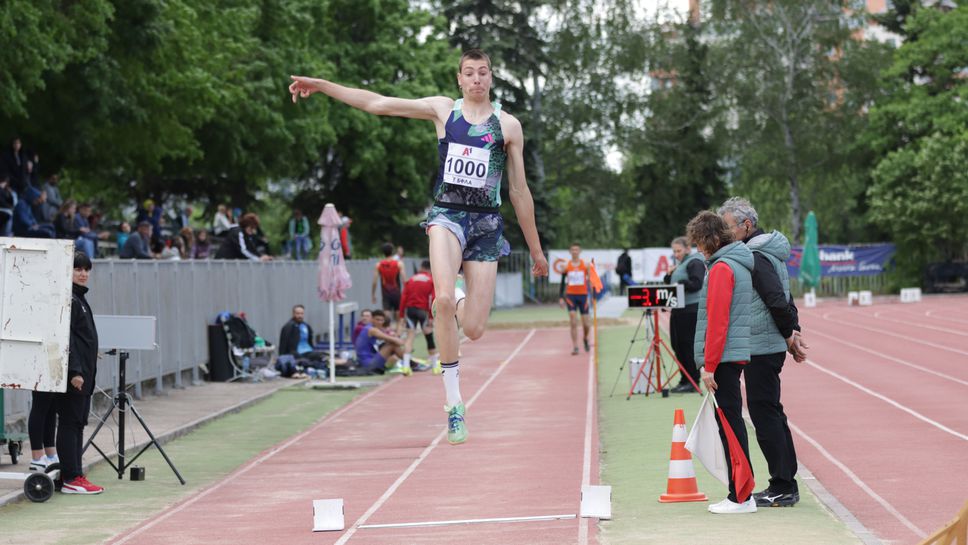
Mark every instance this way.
x=185 y=296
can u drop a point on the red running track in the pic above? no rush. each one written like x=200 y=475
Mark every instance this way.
x=880 y=411
x=533 y=442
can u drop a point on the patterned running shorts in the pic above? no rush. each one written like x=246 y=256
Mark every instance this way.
x=481 y=234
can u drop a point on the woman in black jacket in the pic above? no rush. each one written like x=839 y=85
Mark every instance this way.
x=75 y=405
x=241 y=242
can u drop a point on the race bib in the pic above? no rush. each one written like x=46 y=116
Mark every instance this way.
x=466 y=165
x=576 y=278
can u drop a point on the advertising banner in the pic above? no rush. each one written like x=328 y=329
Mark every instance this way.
x=648 y=264
x=841 y=260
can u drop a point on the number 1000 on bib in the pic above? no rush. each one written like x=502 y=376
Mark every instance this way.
x=466 y=165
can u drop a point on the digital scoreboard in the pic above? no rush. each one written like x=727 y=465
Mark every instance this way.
x=657 y=296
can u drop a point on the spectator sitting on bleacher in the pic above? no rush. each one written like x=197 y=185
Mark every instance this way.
x=377 y=351
x=151 y=214
x=124 y=232
x=87 y=217
x=241 y=242
x=201 y=248
x=138 y=244
x=67 y=226
x=187 y=236
x=366 y=318
x=6 y=206
x=299 y=242
x=25 y=223
x=54 y=200
x=221 y=224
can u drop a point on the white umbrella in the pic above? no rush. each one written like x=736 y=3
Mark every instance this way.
x=334 y=280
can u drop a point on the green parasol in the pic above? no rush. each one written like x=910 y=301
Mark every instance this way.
x=810 y=260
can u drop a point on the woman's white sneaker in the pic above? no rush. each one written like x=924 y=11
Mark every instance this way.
x=727 y=507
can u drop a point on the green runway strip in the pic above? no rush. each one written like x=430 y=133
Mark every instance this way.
x=636 y=440
x=202 y=457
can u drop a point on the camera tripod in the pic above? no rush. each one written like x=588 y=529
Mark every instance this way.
x=651 y=369
x=123 y=403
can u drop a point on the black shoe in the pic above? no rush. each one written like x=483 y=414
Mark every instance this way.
x=767 y=498
x=683 y=388
x=588 y=348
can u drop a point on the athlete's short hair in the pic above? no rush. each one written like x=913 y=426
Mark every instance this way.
x=575 y=244
x=708 y=231
x=475 y=55
x=681 y=241
x=425 y=264
x=387 y=249
x=378 y=313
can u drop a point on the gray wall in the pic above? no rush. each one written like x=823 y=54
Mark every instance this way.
x=185 y=296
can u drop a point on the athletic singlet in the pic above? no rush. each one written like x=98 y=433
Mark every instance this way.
x=472 y=160
x=389 y=274
x=576 y=278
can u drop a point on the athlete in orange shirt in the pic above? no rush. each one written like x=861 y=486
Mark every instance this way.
x=574 y=295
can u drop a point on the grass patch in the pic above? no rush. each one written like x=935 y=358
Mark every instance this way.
x=636 y=439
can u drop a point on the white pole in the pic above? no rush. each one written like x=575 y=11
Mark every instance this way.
x=332 y=345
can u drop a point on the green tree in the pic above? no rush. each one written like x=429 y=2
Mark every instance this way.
x=43 y=36
x=919 y=131
x=673 y=161
x=777 y=76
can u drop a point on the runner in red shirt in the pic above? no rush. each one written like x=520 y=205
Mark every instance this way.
x=415 y=304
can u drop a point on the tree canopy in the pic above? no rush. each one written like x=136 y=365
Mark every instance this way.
x=632 y=122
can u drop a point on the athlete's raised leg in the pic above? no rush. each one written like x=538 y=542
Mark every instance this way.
x=480 y=278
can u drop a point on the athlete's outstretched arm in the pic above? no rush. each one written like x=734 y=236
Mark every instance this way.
x=521 y=198
x=429 y=108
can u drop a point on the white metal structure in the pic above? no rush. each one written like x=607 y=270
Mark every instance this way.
x=35 y=313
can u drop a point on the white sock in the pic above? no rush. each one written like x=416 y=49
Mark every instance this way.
x=433 y=359
x=451 y=372
x=53 y=459
x=406 y=359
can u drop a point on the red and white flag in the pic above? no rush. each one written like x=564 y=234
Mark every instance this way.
x=704 y=444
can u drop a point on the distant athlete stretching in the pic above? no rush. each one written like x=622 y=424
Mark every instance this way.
x=477 y=142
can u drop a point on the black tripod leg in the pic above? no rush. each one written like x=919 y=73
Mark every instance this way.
x=100 y=424
x=155 y=442
x=627 y=353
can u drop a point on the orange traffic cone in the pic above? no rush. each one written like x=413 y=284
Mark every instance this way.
x=682 y=476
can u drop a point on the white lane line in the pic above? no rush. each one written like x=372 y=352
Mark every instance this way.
x=861 y=484
x=826 y=316
x=878 y=315
x=928 y=313
x=888 y=400
x=426 y=452
x=467 y=521
x=231 y=478
x=586 y=470
x=891 y=358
